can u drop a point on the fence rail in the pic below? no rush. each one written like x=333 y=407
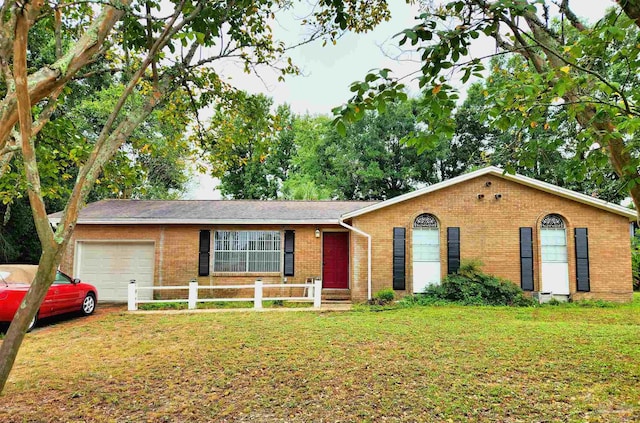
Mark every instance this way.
x=314 y=293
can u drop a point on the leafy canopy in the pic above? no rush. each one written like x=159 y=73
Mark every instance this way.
x=590 y=72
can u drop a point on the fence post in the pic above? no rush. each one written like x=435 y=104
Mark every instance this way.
x=257 y=297
x=317 y=293
x=193 y=294
x=132 y=294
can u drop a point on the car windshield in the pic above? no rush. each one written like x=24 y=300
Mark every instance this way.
x=60 y=278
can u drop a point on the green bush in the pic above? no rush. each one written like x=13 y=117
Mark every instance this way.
x=470 y=286
x=384 y=296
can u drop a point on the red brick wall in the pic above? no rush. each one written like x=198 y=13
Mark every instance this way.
x=176 y=255
x=489 y=231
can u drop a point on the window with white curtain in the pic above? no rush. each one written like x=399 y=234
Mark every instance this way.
x=426 y=238
x=553 y=239
x=246 y=251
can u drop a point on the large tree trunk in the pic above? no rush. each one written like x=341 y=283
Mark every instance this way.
x=51 y=251
x=107 y=145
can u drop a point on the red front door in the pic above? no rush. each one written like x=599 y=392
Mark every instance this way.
x=335 y=260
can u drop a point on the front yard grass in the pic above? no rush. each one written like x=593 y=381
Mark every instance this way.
x=446 y=363
x=224 y=305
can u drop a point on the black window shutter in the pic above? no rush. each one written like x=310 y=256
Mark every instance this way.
x=526 y=259
x=582 y=259
x=203 y=256
x=453 y=250
x=289 y=251
x=399 y=254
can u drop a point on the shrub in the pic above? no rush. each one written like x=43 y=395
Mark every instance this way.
x=384 y=296
x=470 y=286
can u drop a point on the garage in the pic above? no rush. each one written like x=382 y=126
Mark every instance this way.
x=111 y=265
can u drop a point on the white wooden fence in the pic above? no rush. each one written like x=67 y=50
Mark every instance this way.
x=313 y=291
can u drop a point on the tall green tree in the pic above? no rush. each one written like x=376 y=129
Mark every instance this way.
x=588 y=70
x=309 y=165
x=238 y=144
x=370 y=161
x=259 y=155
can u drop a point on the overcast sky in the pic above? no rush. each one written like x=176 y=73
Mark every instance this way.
x=328 y=71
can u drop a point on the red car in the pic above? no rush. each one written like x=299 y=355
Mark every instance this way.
x=65 y=295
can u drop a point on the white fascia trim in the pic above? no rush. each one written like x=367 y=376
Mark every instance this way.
x=493 y=170
x=422 y=191
x=572 y=195
x=55 y=221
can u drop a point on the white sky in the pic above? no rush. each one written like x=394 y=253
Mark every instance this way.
x=328 y=71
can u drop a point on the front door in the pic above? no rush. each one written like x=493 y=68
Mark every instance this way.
x=335 y=260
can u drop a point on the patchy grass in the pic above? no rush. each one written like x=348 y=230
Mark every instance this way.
x=224 y=305
x=409 y=364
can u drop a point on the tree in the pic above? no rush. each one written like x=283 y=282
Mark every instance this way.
x=156 y=52
x=263 y=156
x=369 y=161
x=550 y=154
x=309 y=165
x=566 y=67
x=238 y=143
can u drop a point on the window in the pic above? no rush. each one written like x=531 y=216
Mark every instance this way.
x=60 y=278
x=553 y=239
x=246 y=251
x=426 y=238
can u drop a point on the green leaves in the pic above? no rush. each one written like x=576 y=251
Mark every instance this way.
x=584 y=76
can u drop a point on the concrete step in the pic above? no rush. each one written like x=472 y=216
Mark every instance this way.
x=336 y=295
x=336 y=301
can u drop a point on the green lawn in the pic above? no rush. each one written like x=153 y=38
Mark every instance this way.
x=418 y=364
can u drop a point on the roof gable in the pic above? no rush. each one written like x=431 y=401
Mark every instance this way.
x=496 y=171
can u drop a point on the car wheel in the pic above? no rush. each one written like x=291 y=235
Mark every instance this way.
x=32 y=323
x=89 y=304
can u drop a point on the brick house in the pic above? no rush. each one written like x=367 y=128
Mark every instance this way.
x=540 y=236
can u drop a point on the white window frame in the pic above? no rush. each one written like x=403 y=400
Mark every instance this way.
x=277 y=241
x=426 y=224
x=553 y=240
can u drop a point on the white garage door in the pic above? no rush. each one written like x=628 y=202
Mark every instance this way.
x=109 y=266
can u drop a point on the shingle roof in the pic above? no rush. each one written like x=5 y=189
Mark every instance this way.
x=213 y=211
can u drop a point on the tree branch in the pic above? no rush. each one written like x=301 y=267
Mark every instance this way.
x=24 y=112
x=557 y=60
x=575 y=21
x=43 y=82
x=166 y=35
x=632 y=9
